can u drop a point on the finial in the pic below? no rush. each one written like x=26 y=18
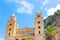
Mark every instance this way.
x=38 y=12
x=13 y=14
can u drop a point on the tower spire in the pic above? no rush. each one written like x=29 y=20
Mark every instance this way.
x=13 y=17
x=38 y=12
x=13 y=14
x=39 y=27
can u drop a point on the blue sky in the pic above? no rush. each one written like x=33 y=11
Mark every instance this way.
x=25 y=11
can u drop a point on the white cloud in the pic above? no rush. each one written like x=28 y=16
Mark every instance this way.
x=23 y=6
x=45 y=17
x=45 y=2
x=52 y=10
x=26 y=8
x=1 y=39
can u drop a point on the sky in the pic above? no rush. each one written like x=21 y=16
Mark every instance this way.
x=25 y=12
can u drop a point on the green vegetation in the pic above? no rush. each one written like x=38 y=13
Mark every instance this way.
x=51 y=32
x=29 y=38
x=58 y=11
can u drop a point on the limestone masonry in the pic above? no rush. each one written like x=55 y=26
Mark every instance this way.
x=14 y=33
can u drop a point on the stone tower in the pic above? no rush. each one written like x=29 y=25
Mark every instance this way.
x=39 y=27
x=11 y=28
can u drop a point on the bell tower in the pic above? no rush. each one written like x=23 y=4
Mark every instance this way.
x=11 y=27
x=39 y=27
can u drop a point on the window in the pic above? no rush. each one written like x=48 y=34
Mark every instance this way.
x=38 y=27
x=16 y=39
x=9 y=29
x=38 y=22
x=24 y=39
x=39 y=32
x=33 y=33
x=9 y=34
x=10 y=24
x=38 y=15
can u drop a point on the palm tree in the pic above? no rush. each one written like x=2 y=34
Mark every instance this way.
x=51 y=31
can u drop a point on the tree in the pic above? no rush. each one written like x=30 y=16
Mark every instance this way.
x=51 y=31
x=58 y=11
x=29 y=38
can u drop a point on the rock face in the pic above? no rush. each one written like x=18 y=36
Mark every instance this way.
x=53 y=20
x=56 y=20
x=47 y=21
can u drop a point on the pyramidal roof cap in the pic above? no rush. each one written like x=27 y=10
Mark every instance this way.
x=13 y=14
x=38 y=12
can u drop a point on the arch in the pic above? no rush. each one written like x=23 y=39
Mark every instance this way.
x=17 y=39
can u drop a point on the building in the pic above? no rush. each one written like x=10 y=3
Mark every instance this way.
x=14 y=33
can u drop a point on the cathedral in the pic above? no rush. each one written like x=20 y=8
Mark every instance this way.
x=15 y=33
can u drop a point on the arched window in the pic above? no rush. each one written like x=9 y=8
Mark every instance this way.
x=38 y=22
x=9 y=29
x=39 y=32
x=10 y=24
x=38 y=15
x=39 y=27
x=16 y=39
x=9 y=34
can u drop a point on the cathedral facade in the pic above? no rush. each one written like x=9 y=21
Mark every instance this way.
x=14 y=33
